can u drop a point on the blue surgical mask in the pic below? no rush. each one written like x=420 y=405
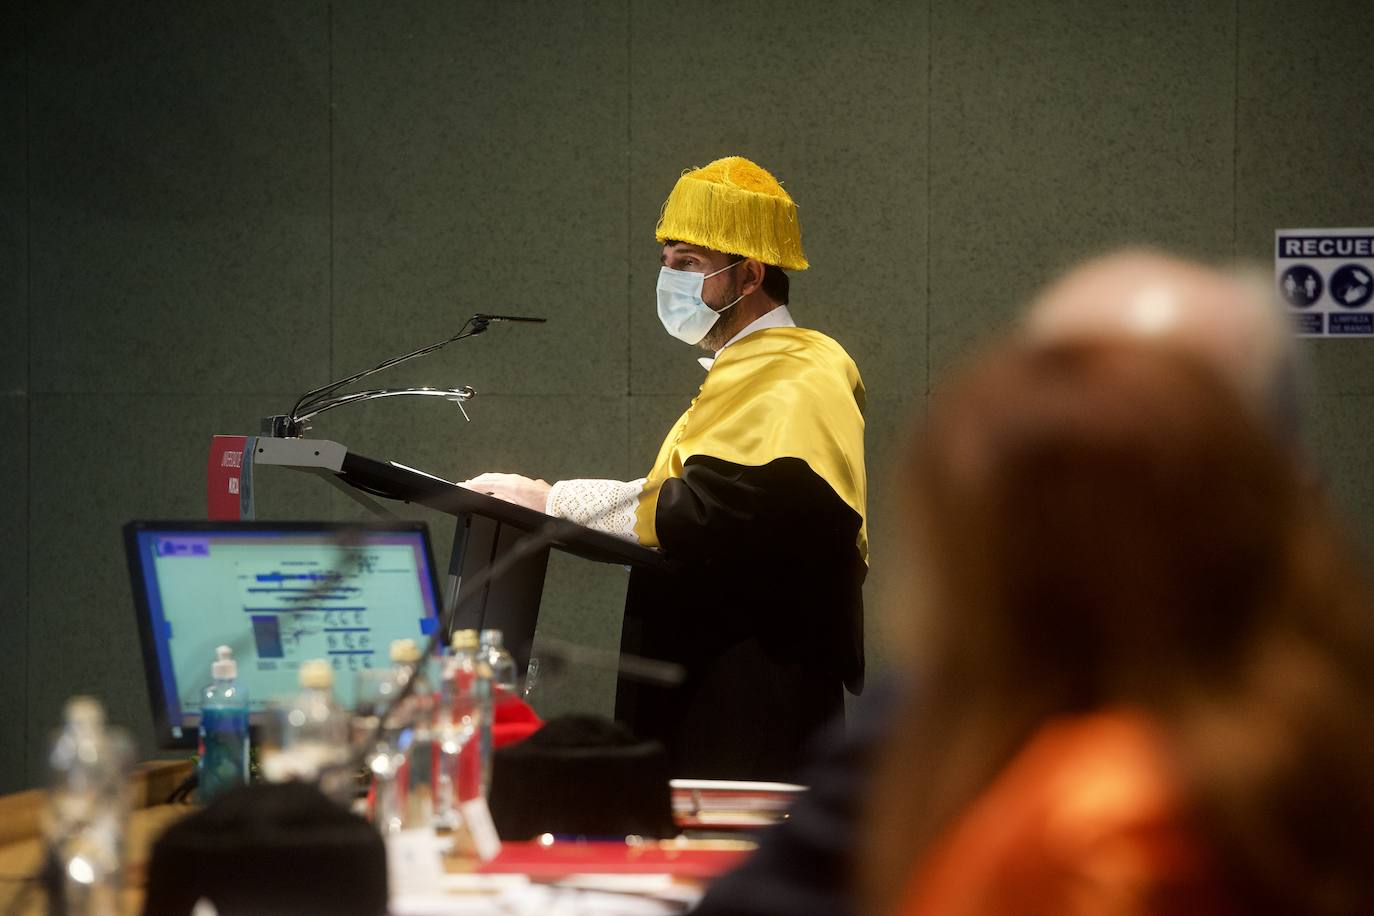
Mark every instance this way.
x=680 y=307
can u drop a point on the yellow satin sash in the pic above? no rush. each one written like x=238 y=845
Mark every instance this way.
x=778 y=393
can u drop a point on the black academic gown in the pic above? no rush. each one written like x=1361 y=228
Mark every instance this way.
x=761 y=605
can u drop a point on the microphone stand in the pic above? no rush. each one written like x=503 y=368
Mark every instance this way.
x=319 y=400
x=320 y=405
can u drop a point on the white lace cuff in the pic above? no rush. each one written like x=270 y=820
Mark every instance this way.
x=606 y=505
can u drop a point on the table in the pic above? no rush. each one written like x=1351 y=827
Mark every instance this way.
x=21 y=843
x=526 y=877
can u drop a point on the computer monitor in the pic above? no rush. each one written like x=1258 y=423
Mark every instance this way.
x=278 y=594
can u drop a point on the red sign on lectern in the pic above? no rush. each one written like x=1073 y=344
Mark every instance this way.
x=229 y=478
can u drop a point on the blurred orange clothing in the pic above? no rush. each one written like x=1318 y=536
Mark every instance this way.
x=1087 y=819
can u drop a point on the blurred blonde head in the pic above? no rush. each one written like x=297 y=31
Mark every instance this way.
x=1230 y=319
x=1105 y=523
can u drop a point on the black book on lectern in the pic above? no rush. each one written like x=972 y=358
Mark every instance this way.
x=486 y=528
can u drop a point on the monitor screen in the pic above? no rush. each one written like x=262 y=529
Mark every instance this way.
x=278 y=594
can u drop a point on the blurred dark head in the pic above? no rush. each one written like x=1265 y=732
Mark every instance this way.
x=581 y=775
x=269 y=849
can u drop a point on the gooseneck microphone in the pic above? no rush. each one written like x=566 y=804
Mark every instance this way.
x=481 y=317
x=323 y=398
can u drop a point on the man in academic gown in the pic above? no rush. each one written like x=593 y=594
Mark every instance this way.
x=757 y=497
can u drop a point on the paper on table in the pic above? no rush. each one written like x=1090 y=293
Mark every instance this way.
x=534 y=900
x=413 y=861
x=477 y=817
x=733 y=785
x=406 y=467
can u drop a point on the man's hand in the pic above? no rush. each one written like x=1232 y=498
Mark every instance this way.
x=532 y=494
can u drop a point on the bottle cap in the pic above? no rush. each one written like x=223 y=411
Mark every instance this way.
x=464 y=639
x=224 y=667
x=83 y=710
x=317 y=674
x=404 y=651
x=491 y=638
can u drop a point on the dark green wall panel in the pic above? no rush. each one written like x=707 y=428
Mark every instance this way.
x=14 y=592
x=1061 y=129
x=1304 y=145
x=14 y=304
x=179 y=162
x=651 y=418
x=479 y=156
x=583 y=605
x=14 y=383
x=1340 y=429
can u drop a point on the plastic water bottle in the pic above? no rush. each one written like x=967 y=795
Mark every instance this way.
x=421 y=750
x=312 y=739
x=504 y=686
x=532 y=686
x=504 y=682
x=223 y=729
x=88 y=806
x=391 y=724
x=465 y=705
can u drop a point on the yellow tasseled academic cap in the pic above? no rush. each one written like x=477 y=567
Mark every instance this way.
x=736 y=206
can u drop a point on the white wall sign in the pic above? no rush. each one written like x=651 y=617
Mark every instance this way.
x=1327 y=278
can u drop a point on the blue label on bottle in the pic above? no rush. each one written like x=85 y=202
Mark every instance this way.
x=223 y=750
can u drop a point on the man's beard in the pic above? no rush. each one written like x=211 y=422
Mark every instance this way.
x=724 y=328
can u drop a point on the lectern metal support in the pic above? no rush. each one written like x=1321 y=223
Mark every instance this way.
x=509 y=603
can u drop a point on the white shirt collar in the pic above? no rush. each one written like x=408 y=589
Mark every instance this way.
x=778 y=317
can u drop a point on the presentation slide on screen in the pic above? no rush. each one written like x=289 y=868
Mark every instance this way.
x=278 y=604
